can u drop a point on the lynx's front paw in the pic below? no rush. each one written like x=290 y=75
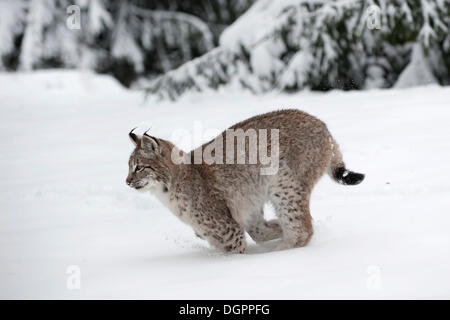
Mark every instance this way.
x=241 y=249
x=234 y=244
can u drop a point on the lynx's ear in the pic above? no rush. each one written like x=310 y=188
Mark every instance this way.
x=149 y=143
x=133 y=137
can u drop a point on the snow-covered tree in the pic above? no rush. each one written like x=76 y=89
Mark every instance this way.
x=40 y=16
x=48 y=42
x=124 y=44
x=98 y=22
x=166 y=30
x=321 y=45
x=12 y=23
x=129 y=38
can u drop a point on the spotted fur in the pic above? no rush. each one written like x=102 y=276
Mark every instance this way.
x=223 y=201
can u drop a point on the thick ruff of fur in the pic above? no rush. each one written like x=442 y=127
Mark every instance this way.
x=223 y=201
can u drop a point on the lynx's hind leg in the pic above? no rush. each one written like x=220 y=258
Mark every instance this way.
x=260 y=229
x=291 y=203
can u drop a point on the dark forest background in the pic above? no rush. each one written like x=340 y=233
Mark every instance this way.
x=169 y=47
x=127 y=39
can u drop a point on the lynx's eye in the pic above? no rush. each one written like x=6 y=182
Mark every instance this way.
x=138 y=169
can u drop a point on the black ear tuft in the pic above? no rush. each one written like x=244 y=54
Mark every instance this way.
x=133 y=137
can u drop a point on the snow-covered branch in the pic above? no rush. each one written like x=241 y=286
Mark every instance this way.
x=321 y=45
x=211 y=70
x=161 y=15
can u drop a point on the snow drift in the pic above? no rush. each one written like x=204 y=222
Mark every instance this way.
x=64 y=202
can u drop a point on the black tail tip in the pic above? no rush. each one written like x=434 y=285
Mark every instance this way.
x=347 y=177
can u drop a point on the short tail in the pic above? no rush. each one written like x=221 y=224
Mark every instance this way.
x=337 y=170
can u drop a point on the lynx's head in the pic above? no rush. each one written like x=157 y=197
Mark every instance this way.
x=150 y=162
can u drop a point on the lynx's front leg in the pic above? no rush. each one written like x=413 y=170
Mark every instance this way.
x=235 y=244
x=224 y=233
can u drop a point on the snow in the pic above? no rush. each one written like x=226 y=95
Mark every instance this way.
x=417 y=72
x=187 y=19
x=263 y=63
x=430 y=11
x=296 y=71
x=266 y=45
x=99 y=18
x=39 y=16
x=255 y=21
x=64 y=201
x=12 y=17
x=124 y=45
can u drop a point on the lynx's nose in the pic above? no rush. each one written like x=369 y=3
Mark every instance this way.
x=128 y=182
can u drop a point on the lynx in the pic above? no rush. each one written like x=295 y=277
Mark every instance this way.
x=223 y=201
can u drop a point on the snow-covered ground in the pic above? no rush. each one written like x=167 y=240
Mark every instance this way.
x=63 y=199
